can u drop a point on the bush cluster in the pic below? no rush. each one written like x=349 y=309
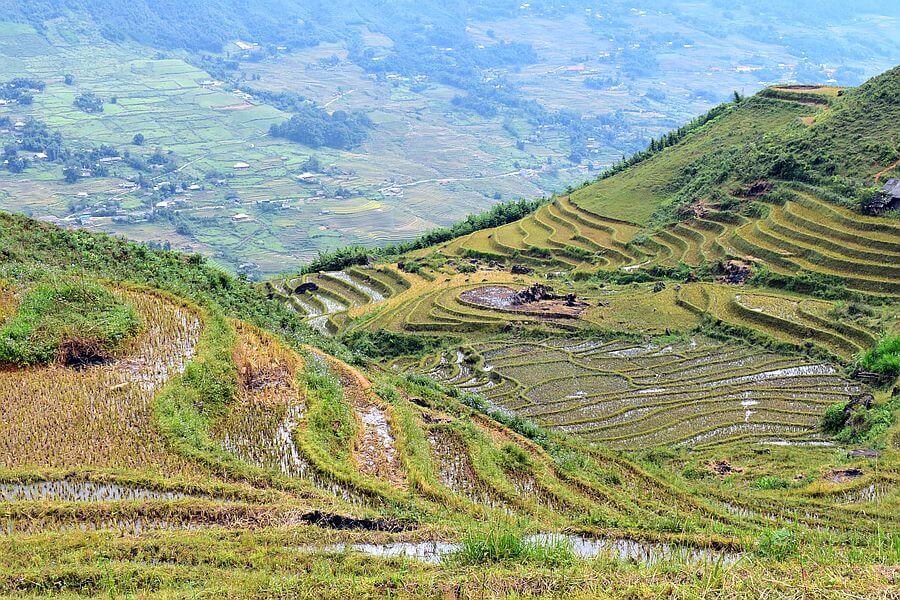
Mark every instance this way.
x=74 y=317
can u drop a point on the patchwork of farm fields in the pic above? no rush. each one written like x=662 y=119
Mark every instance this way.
x=210 y=129
x=696 y=392
x=435 y=163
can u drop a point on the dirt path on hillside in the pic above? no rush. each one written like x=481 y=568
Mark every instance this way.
x=885 y=170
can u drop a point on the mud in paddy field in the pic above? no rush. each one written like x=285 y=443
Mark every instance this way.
x=507 y=299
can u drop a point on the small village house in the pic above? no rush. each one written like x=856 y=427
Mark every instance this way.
x=888 y=198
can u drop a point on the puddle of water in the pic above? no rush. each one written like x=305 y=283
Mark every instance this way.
x=634 y=351
x=655 y=390
x=124 y=525
x=431 y=551
x=870 y=493
x=331 y=304
x=797 y=443
x=632 y=550
x=775 y=374
x=434 y=551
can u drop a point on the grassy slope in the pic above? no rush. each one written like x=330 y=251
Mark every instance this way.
x=636 y=193
x=859 y=131
x=856 y=135
x=30 y=249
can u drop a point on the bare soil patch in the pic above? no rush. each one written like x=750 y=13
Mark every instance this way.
x=844 y=475
x=723 y=468
x=507 y=299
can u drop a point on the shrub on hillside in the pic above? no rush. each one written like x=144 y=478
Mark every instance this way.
x=771 y=483
x=778 y=544
x=859 y=424
x=70 y=322
x=389 y=344
x=834 y=418
x=884 y=358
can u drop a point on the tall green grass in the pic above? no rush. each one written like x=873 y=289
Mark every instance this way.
x=504 y=543
x=884 y=358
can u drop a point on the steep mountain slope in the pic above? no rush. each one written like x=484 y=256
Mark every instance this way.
x=857 y=136
x=785 y=133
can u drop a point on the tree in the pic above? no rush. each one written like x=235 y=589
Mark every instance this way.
x=70 y=172
x=17 y=164
x=138 y=139
x=312 y=165
x=89 y=102
x=69 y=79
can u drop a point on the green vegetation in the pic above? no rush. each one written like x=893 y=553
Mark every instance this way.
x=382 y=344
x=332 y=424
x=778 y=544
x=860 y=424
x=315 y=127
x=187 y=405
x=884 y=358
x=89 y=102
x=69 y=321
x=500 y=543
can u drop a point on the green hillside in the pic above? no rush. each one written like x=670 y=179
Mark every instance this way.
x=781 y=133
x=634 y=195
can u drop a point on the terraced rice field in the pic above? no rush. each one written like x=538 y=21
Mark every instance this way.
x=558 y=232
x=82 y=450
x=802 y=322
x=309 y=448
x=326 y=308
x=439 y=306
x=807 y=233
x=629 y=395
x=259 y=425
x=811 y=234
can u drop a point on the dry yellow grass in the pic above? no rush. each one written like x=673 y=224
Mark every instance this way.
x=7 y=302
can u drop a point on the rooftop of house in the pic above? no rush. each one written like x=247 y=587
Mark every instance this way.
x=892 y=188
